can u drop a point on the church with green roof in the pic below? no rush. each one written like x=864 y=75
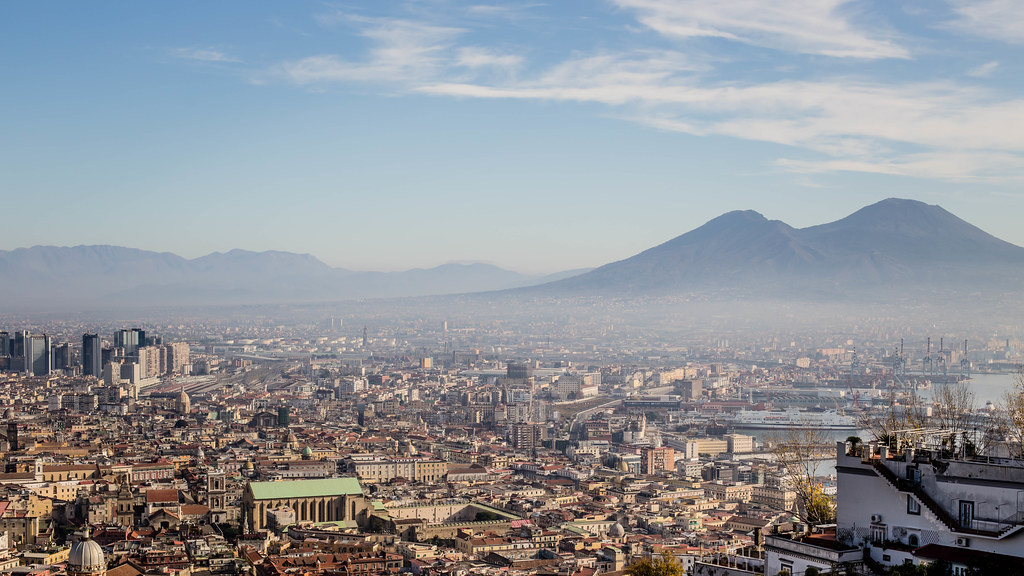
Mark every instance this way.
x=319 y=500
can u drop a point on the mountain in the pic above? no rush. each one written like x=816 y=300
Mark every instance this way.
x=889 y=247
x=893 y=249
x=63 y=278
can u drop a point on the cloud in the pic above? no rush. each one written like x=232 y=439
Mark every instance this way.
x=508 y=10
x=477 y=57
x=402 y=52
x=848 y=124
x=984 y=71
x=822 y=27
x=995 y=19
x=939 y=130
x=203 y=55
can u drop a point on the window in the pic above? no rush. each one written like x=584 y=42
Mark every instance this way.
x=966 y=513
x=913 y=506
x=913 y=540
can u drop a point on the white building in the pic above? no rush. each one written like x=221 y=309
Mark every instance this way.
x=917 y=506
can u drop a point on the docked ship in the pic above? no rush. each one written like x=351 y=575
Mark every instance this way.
x=792 y=418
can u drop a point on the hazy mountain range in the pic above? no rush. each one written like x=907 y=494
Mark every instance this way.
x=894 y=246
x=111 y=276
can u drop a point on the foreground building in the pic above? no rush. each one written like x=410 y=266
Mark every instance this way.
x=920 y=505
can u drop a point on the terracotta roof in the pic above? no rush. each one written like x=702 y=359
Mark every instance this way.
x=168 y=495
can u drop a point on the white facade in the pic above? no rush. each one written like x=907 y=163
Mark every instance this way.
x=914 y=500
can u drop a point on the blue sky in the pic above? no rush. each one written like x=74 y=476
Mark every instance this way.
x=536 y=136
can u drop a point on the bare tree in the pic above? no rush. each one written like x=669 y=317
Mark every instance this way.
x=892 y=425
x=1013 y=416
x=799 y=452
x=953 y=412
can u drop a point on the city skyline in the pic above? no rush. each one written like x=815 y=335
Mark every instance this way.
x=535 y=137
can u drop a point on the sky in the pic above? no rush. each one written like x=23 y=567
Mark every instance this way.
x=538 y=136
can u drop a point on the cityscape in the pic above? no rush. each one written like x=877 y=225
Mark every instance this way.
x=252 y=446
x=512 y=288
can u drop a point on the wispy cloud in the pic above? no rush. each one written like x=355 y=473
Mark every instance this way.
x=203 y=55
x=824 y=27
x=478 y=57
x=996 y=19
x=401 y=52
x=984 y=71
x=963 y=133
x=506 y=10
x=940 y=130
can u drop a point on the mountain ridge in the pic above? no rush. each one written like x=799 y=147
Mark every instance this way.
x=104 y=275
x=894 y=246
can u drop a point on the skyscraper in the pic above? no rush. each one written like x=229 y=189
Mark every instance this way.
x=37 y=355
x=130 y=340
x=92 y=355
x=62 y=357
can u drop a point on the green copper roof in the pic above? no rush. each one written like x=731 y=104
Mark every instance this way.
x=305 y=488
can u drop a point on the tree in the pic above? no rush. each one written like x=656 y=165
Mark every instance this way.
x=798 y=452
x=893 y=426
x=1013 y=416
x=667 y=565
x=953 y=412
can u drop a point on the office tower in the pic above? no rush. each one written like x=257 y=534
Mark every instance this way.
x=5 y=344
x=37 y=355
x=92 y=355
x=18 y=351
x=62 y=357
x=519 y=370
x=130 y=340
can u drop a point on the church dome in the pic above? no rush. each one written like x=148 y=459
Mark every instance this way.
x=307 y=451
x=86 y=557
x=616 y=531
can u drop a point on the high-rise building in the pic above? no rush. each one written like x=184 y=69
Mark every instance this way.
x=526 y=436
x=130 y=340
x=62 y=357
x=519 y=370
x=37 y=355
x=177 y=357
x=18 y=351
x=92 y=355
x=654 y=459
x=152 y=360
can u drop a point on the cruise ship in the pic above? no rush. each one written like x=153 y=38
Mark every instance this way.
x=792 y=418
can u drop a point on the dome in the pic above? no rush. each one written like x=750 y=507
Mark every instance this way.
x=86 y=556
x=616 y=531
x=307 y=451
